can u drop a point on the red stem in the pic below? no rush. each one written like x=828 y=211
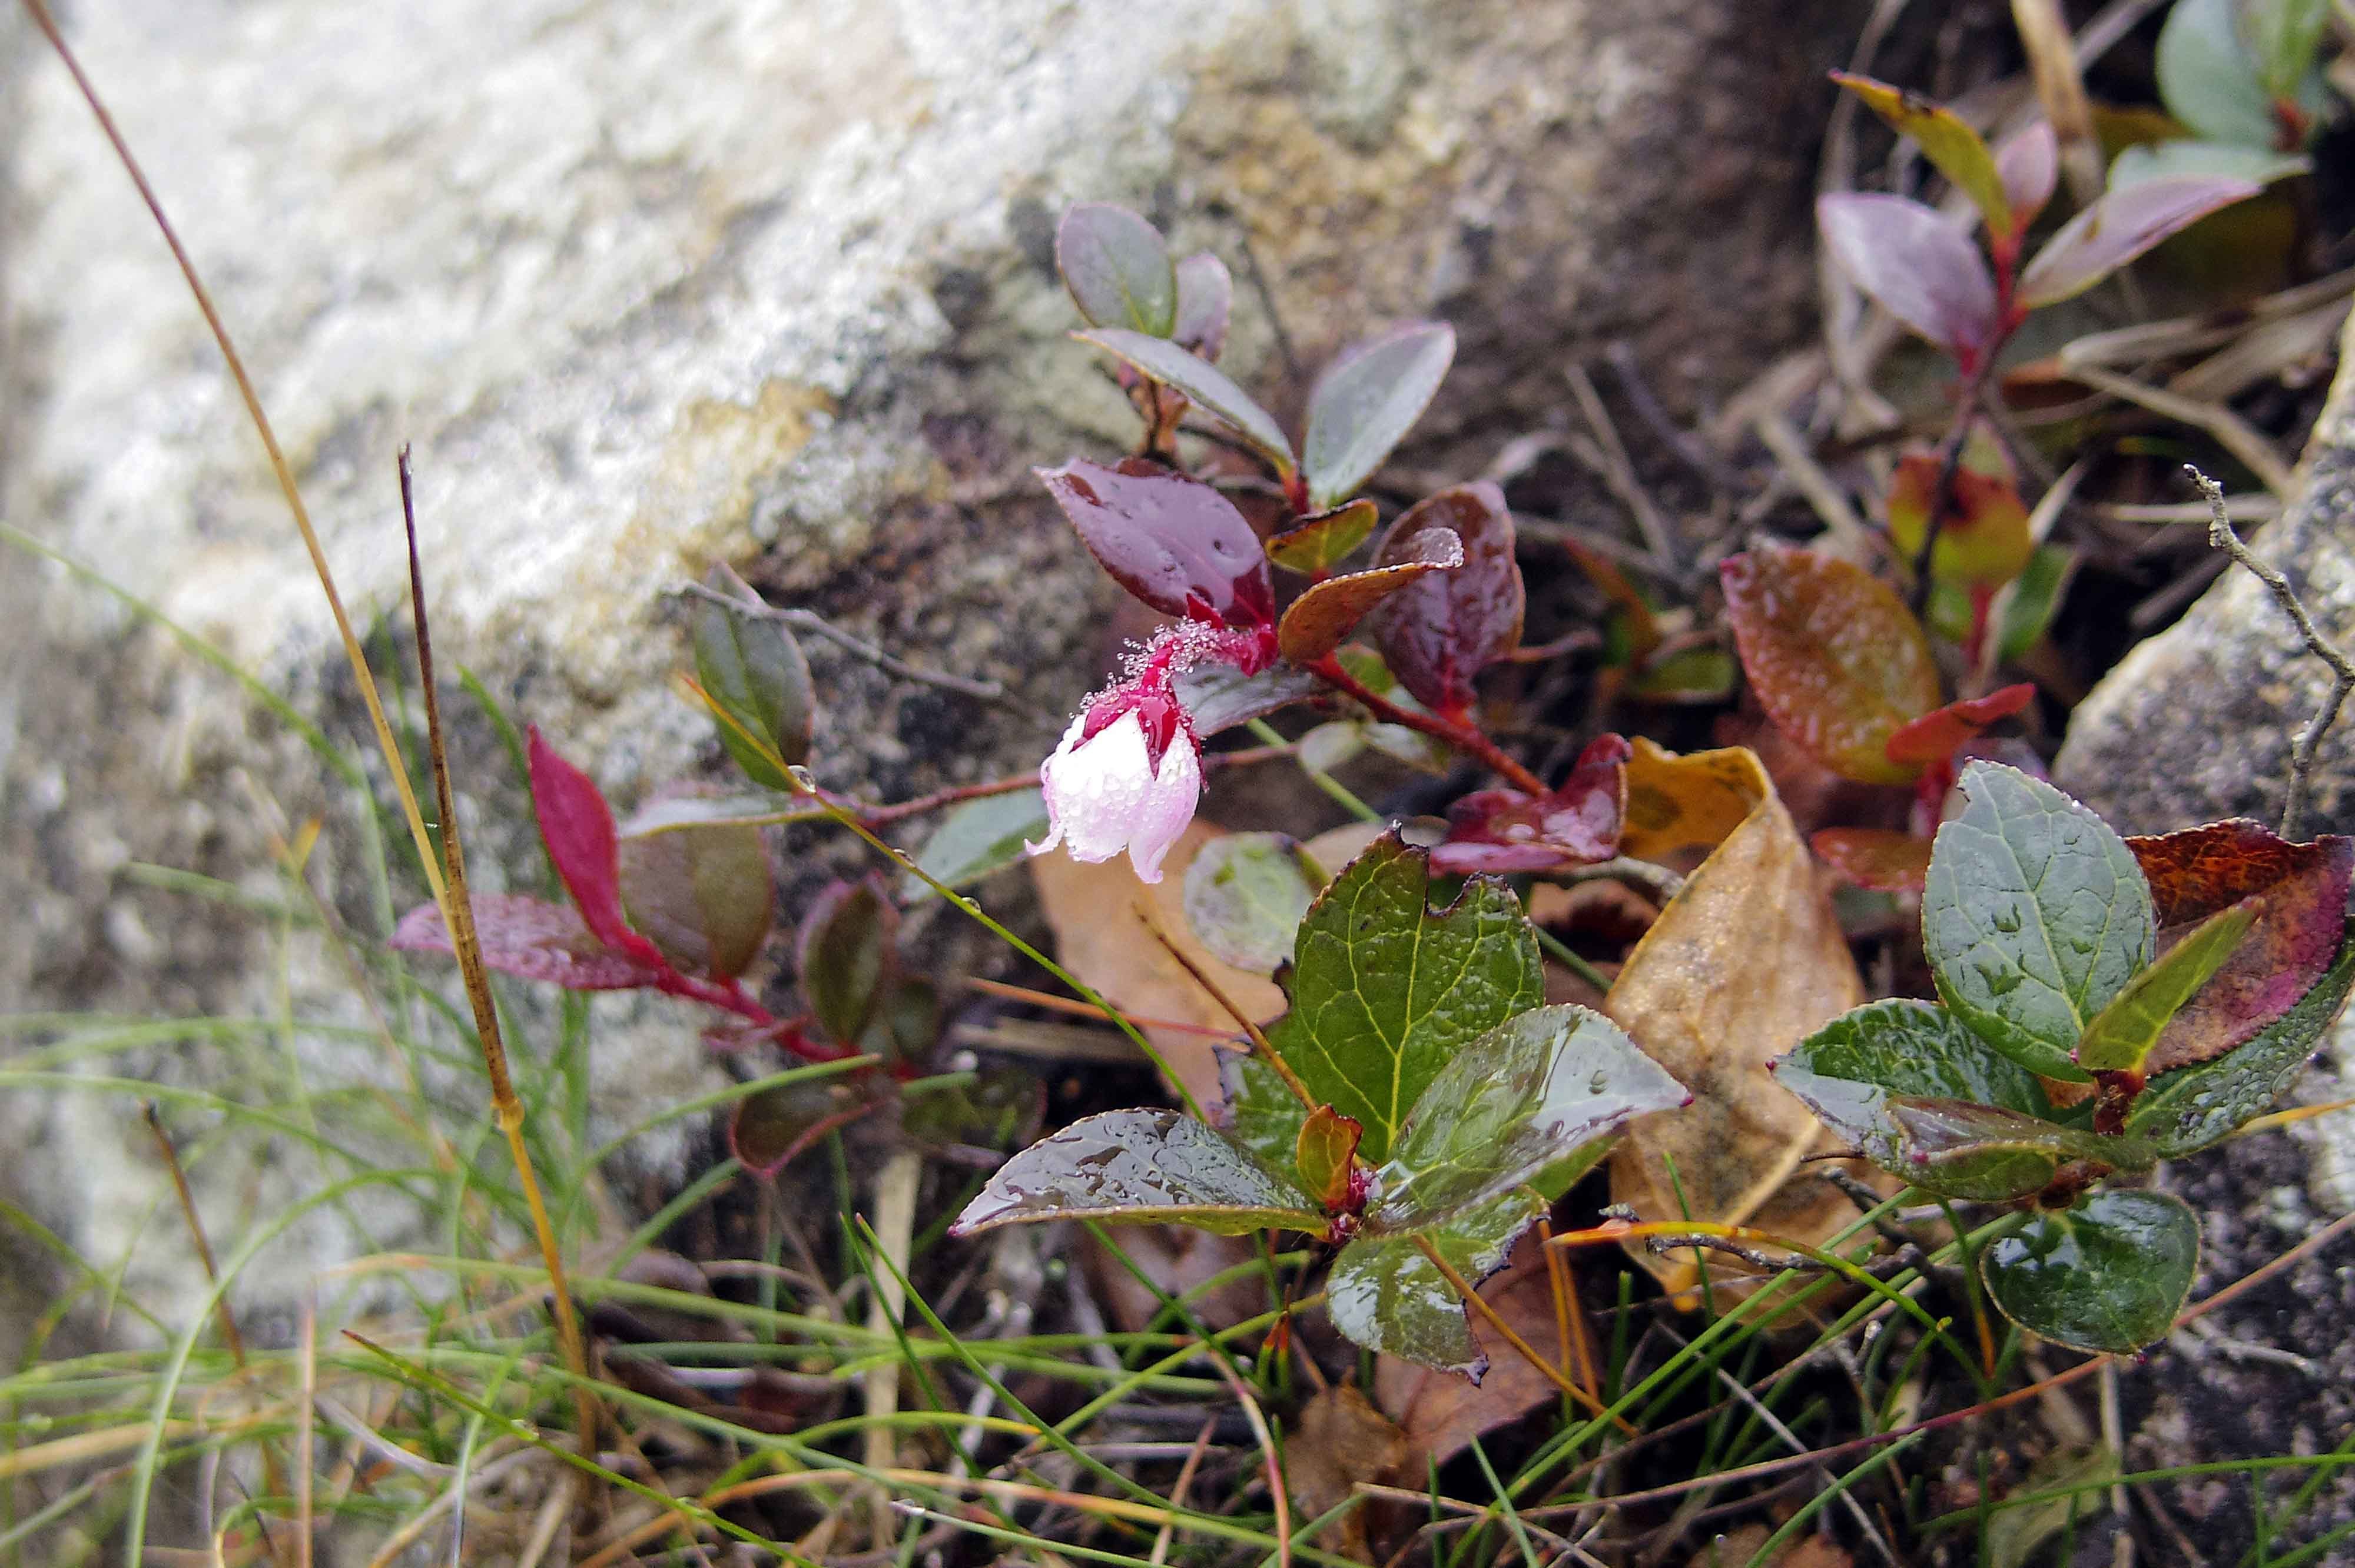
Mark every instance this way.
x=1465 y=738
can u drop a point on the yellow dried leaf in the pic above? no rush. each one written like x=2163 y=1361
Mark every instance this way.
x=1687 y=802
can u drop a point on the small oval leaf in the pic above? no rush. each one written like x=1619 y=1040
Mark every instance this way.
x=2107 y=1275
x=976 y=839
x=1137 y=1166
x=752 y=667
x=1922 y=270
x=702 y=895
x=1206 y=294
x=1316 y=622
x=846 y=954
x=1366 y=402
x=1117 y=269
x=1168 y=538
x=1951 y=146
x=1318 y=543
x=1441 y=631
x=1245 y=895
x=2121 y=226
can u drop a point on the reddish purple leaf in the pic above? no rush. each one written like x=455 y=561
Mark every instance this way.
x=1922 y=270
x=1317 y=620
x=578 y=827
x=1205 y=293
x=2120 y=226
x=533 y=939
x=2301 y=891
x=848 y=948
x=1880 y=859
x=2030 y=165
x=1172 y=541
x=1576 y=824
x=1441 y=631
x=772 y=1128
x=1118 y=268
x=1937 y=735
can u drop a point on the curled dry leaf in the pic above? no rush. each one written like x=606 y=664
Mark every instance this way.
x=1746 y=961
x=1341 y=1440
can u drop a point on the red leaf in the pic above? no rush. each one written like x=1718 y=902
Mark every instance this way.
x=1172 y=541
x=1443 y=630
x=1922 y=270
x=1837 y=660
x=533 y=939
x=1319 y=618
x=2300 y=921
x=578 y=827
x=1880 y=859
x=1937 y=735
x=1576 y=824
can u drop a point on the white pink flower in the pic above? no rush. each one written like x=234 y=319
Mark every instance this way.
x=1124 y=780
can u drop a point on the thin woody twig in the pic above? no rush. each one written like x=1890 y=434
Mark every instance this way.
x=2308 y=741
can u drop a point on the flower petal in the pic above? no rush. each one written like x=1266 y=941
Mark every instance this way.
x=1096 y=787
x=1168 y=807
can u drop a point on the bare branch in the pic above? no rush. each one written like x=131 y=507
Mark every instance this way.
x=2308 y=741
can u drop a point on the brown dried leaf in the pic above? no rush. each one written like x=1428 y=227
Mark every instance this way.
x=1744 y=963
x=1340 y=1441
x=1179 y=1259
x=1099 y=937
x=1440 y=1412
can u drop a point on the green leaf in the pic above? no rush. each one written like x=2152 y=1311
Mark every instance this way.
x=753 y=669
x=845 y=952
x=2193 y=1108
x=2120 y=1037
x=1140 y=1166
x=2158 y=160
x=1510 y=1106
x=1165 y=362
x=2035 y=596
x=2207 y=77
x=703 y=894
x=1366 y=402
x=1329 y=1143
x=1848 y=1071
x=2014 y=1535
x=1387 y=1296
x=2287 y=34
x=1117 y=269
x=1318 y=543
x=1245 y=894
x=769 y=1130
x=906 y=1025
x=977 y=839
x=1001 y=1108
x=1384 y=992
x=2107 y=1275
x=1951 y=146
x=1946 y=1132
x=2034 y=917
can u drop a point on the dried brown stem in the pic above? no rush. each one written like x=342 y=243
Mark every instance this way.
x=2308 y=741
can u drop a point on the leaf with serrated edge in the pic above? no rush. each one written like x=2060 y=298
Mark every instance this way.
x=2120 y=1037
x=2107 y=1275
x=1136 y=1166
x=2033 y=918
x=1316 y=622
x=1366 y=402
x=976 y=839
x=1384 y=992
x=2121 y=226
x=2195 y=1106
x=1950 y=145
x=1245 y=895
x=1512 y=1104
x=1846 y=1071
x=1118 y=268
x=1209 y=388
x=1320 y=542
x=1387 y=1296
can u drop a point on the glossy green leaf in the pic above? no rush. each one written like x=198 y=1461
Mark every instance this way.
x=702 y=894
x=2120 y=1037
x=845 y=952
x=1138 y=1166
x=1210 y=388
x=1366 y=402
x=2212 y=81
x=1245 y=895
x=2157 y=160
x=1117 y=269
x=2193 y=1108
x=1949 y=1132
x=1388 y=1297
x=2127 y=221
x=2035 y=915
x=1952 y=146
x=1510 y=1106
x=1318 y=543
x=977 y=838
x=753 y=670
x=1323 y=1157
x=2107 y=1275
x=1384 y=992
x=1217 y=696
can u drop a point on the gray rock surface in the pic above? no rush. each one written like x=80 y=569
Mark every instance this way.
x=765 y=281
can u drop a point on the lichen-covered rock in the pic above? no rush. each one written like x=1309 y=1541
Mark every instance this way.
x=768 y=283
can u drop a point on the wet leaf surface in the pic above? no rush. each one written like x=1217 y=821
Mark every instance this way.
x=2109 y=1275
x=2120 y=1037
x=1320 y=542
x=1118 y=268
x=1838 y=662
x=1880 y=859
x=1128 y=1165
x=1387 y=1296
x=1440 y=1412
x=1712 y=1001
x=702 y=895
x=1314 y=623
x=1440 y=632
x=1384 y=992
x=1172 y=541
x=1218 y=695
x=979 y=839
x=1921 y=268
x=2034 y=917
x=2126 y=222
x=1329 y=1141
x=1576 y=824
x=1366 y=402
x=1937 y=734
x=1210 y=388
x=844 y=952
x=1245 y=895
x=2302 y=897
x=752 y=667
x=1950 y=145
x=1848 y=1071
